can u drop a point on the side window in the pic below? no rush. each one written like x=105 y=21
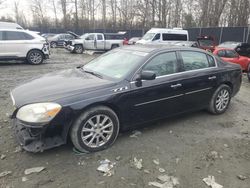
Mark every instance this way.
x=231 y=54
x=221 y=53
x=157 y=36
x=1 y=35
x=211 y=61
x=163 y=64
x=99 y=37
x=90 y=37
x=178 y=37
x=27 y=36
x=194 y=60
x=13 y=35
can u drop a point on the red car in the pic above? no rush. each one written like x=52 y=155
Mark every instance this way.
x=230 y=55
x=207 y=43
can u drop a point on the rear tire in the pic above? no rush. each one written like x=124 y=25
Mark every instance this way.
x=35 y=57
x=95 y=129
x=78 y=49
x=220 y=100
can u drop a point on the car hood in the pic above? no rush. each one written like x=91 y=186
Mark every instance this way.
x=57 y=85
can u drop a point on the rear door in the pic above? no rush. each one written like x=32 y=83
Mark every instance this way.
x=15 y=44
x=200 y=75
x=100 y=42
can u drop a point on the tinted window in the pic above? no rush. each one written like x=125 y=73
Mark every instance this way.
x=1 y=35
x=222 y=53
x=194 y=60
x=13 y=35
x=157 y=36
x=163 y=64
x=114 y=37
x=231 y=54
x=211 y=61
x=167 y=36
x=99 y=37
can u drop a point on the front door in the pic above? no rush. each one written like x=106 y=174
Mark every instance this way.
x=90 y=42
x=158 y=98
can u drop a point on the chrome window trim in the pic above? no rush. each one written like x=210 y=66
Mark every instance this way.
x=215 y=61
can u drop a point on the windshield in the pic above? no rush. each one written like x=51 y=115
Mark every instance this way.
x=205 y=42
x=148 y=36
x=115 y=64
x=231 y=45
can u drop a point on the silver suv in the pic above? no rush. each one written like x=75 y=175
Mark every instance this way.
x=22 y=44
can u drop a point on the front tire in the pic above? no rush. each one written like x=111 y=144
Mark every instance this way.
x=220 y=100
x=78 y=49
x=248 y=72
x=53 y=44
x=35 y=57
x=95 y=129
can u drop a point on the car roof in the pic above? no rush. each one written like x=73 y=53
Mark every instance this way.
x=158 y=47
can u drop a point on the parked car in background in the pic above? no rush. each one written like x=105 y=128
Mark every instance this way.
x=232 y=56
x=122 y=88
x=133 y=40
x=59 y=39
x=10 y=25
x=207 y=43
x=184 y=43
x=241 y=48
x=16 y=44
x=96 y=41
x=158 y=35
x=48 y=36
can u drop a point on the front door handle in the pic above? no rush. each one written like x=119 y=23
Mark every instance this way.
x=176 y=85
x=212 y=77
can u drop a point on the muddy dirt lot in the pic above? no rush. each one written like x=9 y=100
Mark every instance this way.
x=189 y=147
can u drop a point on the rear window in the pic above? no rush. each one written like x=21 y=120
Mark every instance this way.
x=114 y=37
x=168 y=36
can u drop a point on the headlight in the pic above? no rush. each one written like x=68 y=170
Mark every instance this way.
x=38 y=113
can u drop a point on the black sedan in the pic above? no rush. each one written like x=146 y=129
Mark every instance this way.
x=124 y=87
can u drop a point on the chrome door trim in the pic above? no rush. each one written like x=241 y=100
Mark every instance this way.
x=162 y=99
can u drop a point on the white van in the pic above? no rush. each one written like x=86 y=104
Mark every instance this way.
x=10 y=25
x=157 y=35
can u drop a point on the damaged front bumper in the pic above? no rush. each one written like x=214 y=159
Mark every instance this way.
x=35 y=138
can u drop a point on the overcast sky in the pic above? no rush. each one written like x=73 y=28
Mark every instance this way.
x=7 y=8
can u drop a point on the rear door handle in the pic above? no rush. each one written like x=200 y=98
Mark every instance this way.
x=176 y=85
x=212 y=77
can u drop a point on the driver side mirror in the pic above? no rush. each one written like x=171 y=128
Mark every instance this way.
x=147 y=75
x=144 y=75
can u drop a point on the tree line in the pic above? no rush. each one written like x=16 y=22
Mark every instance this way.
x=131 y=14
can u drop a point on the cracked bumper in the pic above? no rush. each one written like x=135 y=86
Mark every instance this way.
x=33 y=138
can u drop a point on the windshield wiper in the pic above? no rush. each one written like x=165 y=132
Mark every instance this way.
x=91 y=72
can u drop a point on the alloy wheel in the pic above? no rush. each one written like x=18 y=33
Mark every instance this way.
x=222 y=100
x=36 y=57
x=97 y=131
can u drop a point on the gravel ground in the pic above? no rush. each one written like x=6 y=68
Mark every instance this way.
x=189 y=147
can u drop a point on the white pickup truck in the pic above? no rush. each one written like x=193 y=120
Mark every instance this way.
x=96 y=42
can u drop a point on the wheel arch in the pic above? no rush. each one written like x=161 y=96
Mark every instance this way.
x=35 y=49
x=228 y=83
x=113 y=107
